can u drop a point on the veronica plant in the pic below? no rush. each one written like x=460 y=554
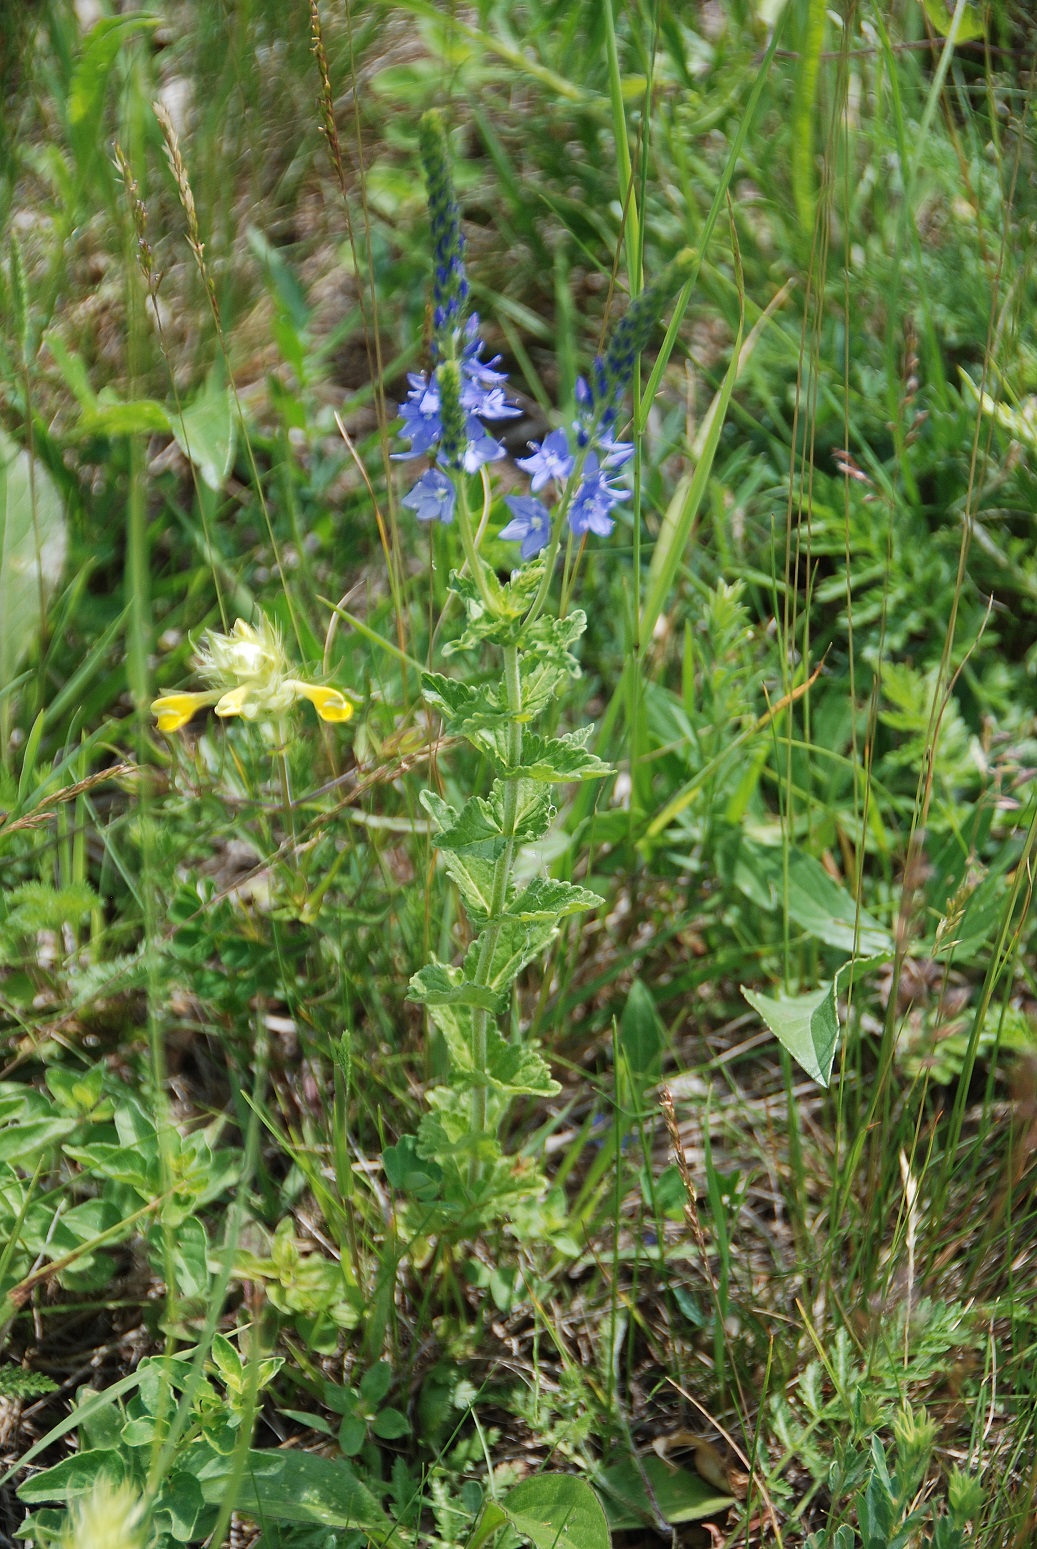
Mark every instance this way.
x=455 y=1164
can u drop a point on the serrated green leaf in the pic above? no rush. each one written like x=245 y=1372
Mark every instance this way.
x=444 y=1137
x=477 y=829
x=547 y=899
x=474 y=879
x=438 y=985
x=542 y=679
x=515 y=1070
x=512 y=601
x=534 y=812
x=449 y=696
x=466 y=710
x=558 y=759
x=518 y=943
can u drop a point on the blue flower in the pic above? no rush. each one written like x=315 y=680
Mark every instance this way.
x=593 y=501
x=616 y=453
x=432 y=498
x=530 y=524
x=422 y=424
x=481 y=398
x=488 y=402
x=481 y=448
x=471 y=348
x=551 y=459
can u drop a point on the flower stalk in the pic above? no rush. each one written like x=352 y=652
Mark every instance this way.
x=457 y=1150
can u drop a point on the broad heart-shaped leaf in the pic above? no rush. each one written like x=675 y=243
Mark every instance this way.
x=206 y=433
x=680 y=1495
x=438 y=985
x=557 y=1511
x=299 y=1487
x=547 y=899
x=558 y=758
x=33 y=545
x=815 y=901
x=808 y=1026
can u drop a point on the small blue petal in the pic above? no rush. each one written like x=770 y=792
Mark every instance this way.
x=530 y=525
x=433 y=497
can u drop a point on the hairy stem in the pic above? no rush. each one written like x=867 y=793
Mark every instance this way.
x=499 y=895
x=471 y=553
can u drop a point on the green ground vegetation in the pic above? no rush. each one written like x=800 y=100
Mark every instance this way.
x=749 y=1256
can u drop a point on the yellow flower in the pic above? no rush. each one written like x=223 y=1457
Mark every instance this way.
x=249 y=673
x=175 y=710
x=109 y=1516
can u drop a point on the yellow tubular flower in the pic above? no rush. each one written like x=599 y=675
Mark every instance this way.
x=249 y=673
x=175 y=710
x=329 y=704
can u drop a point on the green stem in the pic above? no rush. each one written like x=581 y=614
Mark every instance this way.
x=561 y=510
x=471 y=553
x=498 y=897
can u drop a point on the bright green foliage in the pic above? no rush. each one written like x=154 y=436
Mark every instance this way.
x=514 y=927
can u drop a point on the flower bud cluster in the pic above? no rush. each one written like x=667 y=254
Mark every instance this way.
x=449 y=281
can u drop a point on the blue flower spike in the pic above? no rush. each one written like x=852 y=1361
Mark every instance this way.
x=530 y=524
x=432 y=498
x=449 y=281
